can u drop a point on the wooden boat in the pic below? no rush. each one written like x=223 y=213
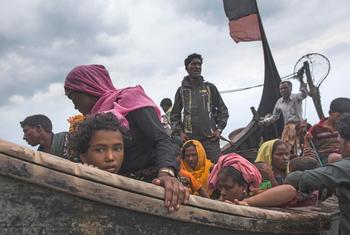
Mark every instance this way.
x=44 y=194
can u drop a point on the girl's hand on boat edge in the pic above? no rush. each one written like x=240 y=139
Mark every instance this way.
x=174 y=192
x=241 y=203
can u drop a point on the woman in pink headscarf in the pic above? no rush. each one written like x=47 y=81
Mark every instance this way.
x=236 y=180
x=91 y=91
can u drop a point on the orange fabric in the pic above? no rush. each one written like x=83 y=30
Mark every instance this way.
x=202 y=171
x=195 y=184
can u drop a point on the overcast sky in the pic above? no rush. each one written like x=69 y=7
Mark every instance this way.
x=145 y=42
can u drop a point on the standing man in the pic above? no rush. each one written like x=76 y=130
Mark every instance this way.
x=204 y=112
x=290 y=105
x=37 y=130
x=334 y=176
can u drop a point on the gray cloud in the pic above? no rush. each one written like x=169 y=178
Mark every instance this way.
x=145 y=42
x=57 y=36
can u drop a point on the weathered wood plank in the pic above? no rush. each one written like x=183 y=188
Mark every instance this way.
x=115 y=197
x=103 y=177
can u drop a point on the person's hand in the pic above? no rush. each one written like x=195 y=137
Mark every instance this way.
x=174 y=192
x=307 y=138
x=184 y=137
x=241 y=203
x=89 y=165
x=266 y=171
x=261 y=123
x=216 y=135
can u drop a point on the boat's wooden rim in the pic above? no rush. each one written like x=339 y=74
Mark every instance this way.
x=98 y=185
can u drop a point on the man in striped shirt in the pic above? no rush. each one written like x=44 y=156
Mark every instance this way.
x=324 y=134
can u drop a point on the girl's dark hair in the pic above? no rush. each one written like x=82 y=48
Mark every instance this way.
x=276 y=144
x=188 y=144
x=235 y=174
x=101 y=121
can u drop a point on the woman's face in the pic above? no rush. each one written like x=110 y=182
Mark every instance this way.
x=280 y=158
x=229 y=189
x=191 y=157
x=82 y=101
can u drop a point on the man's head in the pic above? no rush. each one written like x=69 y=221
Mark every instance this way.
x=286 y=89
x=338 y=106
x=166 y=104
x=193 y=65
x=99 y=142
x=343 y=127
x=35 y=127
x=303 y=163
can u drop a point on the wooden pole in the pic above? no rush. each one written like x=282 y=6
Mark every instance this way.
x=314 y=91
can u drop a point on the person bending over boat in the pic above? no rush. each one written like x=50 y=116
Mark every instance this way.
x=37 y=130
x=334 y=176
x=204 y=113
x=275 y=153
x=91 y=91
x=290 y=106
x=194 y=161
x=324 y=134
x=237 y=180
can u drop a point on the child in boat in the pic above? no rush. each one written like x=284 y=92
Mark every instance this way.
x=276 y=154
x=300 y=164
x=195 y=166
x=237 y=180
x=99 y=142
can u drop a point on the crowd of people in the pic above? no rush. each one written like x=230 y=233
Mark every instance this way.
x=123 y=132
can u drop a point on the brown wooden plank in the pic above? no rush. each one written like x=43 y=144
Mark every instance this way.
x=103 y=177
x=116 y=197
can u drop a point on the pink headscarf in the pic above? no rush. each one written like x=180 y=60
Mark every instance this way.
x=249 y=172
x=94 y=80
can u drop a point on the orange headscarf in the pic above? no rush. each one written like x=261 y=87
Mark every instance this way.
x=202 y=170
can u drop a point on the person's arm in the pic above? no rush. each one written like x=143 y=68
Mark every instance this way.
x=175 y=114
x=203 y=193
x=221 y=109
x=329 y=176
x=274 y=117
x=148 y=123
x=276 y=196
x=303 y=91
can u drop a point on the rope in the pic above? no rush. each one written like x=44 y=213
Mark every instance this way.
x=290 y=76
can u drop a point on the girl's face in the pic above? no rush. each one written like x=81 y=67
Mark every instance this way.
x=82 y=102
x=229 y=189
x=280 y=157
x=106 y=150
x=191 y=157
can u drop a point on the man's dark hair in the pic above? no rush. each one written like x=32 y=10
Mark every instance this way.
x=343 y=126
x=303 y=163
x=166 y=102
x=191 y=57
x=38 y=120
x=287 y=82
x=101 y=121
x=341 y=105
